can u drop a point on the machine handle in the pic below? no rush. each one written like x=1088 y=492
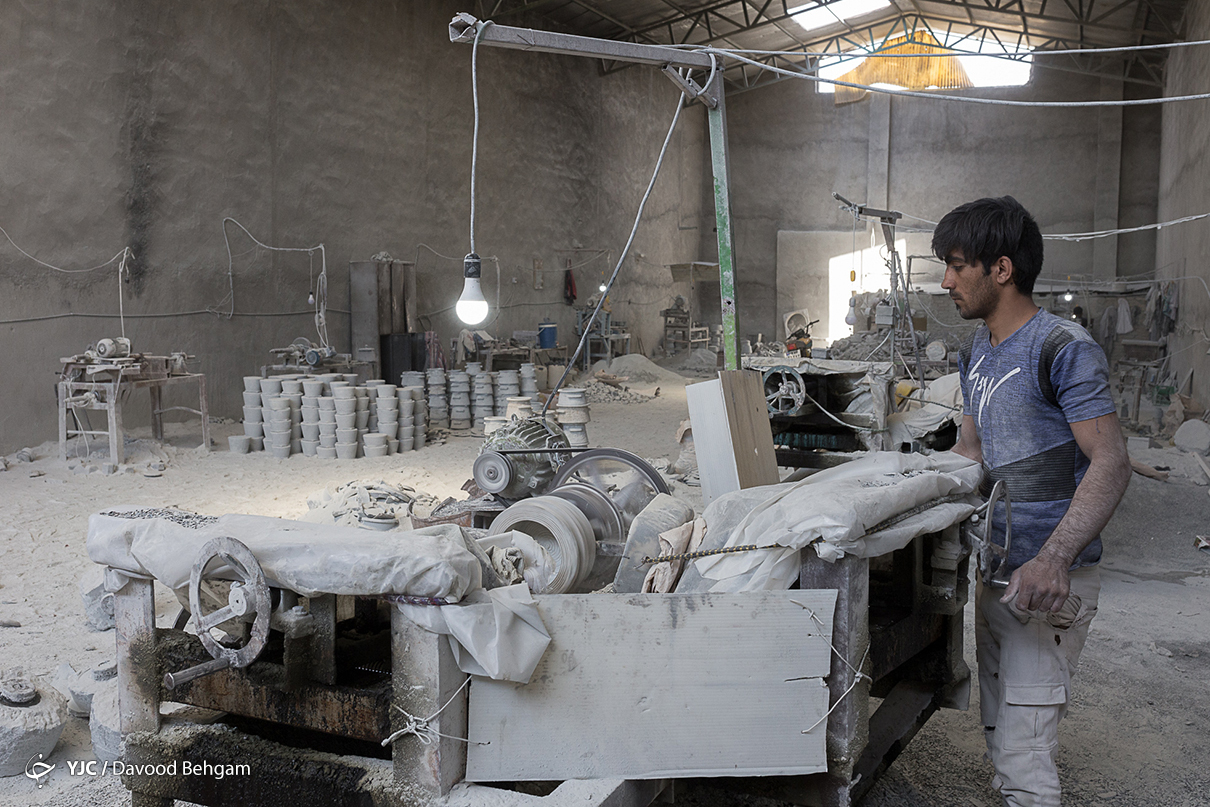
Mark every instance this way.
x=173 y=680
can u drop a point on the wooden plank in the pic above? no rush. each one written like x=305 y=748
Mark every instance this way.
x=751 y=435
x=648 y=686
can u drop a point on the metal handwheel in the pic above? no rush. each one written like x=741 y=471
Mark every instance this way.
x=785 y=391
x=248 y=596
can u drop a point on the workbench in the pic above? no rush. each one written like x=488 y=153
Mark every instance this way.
x=511 y=358
x=99 y=385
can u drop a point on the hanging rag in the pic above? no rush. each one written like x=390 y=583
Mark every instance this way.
x=569 y=288
x=1125 y=325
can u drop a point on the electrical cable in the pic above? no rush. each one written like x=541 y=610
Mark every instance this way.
x=1088 y=236
x=1167 y=99
x=109 y=262
x=321 y=285
x=480 y=28
x=680 y=104
x=955 y=51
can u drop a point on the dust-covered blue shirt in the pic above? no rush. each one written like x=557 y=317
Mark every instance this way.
x=1022 y=394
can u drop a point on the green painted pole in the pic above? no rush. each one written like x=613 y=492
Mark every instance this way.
x=722 y=215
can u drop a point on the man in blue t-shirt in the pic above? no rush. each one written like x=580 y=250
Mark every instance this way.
x=1038 y=415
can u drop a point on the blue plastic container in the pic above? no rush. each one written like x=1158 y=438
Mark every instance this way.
x=548 y=334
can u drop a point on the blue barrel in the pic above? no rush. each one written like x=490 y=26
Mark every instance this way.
x=548 y=334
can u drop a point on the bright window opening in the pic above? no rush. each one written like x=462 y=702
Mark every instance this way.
x=986 y=70
x=814 y=16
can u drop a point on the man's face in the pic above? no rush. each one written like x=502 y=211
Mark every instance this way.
x=972 y=290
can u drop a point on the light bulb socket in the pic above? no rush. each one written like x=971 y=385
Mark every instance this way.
x=472 y=266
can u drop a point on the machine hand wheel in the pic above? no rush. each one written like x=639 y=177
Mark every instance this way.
x=249 y=595
x=785 y=391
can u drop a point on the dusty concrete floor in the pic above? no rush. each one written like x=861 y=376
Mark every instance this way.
x=1137 y=734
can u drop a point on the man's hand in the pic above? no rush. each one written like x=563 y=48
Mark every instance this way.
x=1038 y=585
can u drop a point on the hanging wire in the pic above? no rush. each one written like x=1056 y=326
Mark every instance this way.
x=588 y=325
x=1167 y=99
x=480 y=28
x=321 y=284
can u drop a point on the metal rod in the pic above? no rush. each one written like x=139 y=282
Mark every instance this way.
x=174 y=680
x=464 y=26
x=539 y=450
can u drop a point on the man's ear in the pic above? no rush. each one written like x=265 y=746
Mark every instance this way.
x=1002 y=271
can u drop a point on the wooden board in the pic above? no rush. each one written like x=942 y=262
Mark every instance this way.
x=731 y=431
x=751 y=434
x=649 y=686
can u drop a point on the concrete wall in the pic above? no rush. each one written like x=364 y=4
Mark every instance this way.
x=1074 y=169
x=1184 y=250
x=143 y=124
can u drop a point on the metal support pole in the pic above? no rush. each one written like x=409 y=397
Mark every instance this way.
x=722 y=217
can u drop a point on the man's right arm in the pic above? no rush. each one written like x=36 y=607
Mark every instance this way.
x=968 y=444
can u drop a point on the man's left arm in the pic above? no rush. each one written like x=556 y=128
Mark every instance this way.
x=1041 y=584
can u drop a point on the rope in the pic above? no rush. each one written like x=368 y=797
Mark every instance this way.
x=420 y=727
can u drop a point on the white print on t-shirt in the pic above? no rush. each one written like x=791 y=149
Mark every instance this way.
x=982 y=388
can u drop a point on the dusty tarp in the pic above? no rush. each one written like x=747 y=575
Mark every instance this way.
x=498 y=634
x=309 y=559
x=834 y=509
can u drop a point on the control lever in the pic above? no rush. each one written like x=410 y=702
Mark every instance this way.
x=993 y=558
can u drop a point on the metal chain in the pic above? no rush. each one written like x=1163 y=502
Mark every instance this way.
x=701 y=553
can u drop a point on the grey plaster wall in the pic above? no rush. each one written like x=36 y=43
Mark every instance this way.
x=143 y=124
x=1184 y=250
x=792 y=147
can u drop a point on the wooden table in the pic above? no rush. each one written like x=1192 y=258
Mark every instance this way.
x=98 y=386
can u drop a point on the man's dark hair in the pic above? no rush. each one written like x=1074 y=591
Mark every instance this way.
x=986 y=230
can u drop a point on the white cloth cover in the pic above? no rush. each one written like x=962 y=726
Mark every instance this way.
x=306 y=558
x=496 y=633
x=832 y=509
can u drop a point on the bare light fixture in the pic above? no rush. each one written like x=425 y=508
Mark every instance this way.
x=471 y=307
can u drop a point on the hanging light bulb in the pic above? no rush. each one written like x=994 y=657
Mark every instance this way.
x=1067 y=298
x=601 y=287
x=471 y=307
x=310 y=298
x=851 y=317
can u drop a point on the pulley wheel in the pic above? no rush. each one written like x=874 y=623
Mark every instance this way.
x=493 y=472
x=785 y=391
x=249 y=596
x=628 y=481
x=598 y=508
